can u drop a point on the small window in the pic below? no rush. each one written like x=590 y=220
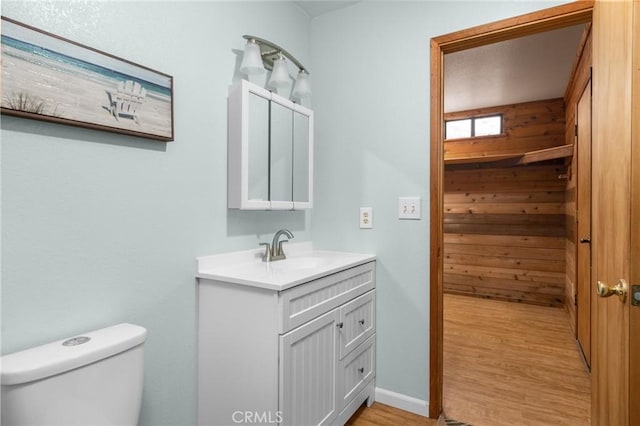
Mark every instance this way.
x=486 y=126
x=458 y=129
x=473 y=127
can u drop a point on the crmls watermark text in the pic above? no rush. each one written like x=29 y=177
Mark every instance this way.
x=255 y=417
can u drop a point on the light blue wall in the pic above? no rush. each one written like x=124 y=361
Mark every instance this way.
x=370 y=67
x=99 y=228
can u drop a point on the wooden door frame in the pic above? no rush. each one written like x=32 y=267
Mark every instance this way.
x=545 y=20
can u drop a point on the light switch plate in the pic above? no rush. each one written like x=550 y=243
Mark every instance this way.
x=409 y=208
x=366 y=217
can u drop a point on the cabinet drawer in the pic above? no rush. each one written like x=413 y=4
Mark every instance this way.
x=305 y=302
x=357 y=320
x=357 y=369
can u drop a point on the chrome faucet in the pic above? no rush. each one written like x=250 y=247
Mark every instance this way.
x=275 y=251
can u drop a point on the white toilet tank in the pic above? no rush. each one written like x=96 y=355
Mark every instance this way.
x=92 y=379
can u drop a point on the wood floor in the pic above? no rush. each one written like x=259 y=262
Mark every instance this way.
x=505 y=364
x=384 y=415
x=508 y=363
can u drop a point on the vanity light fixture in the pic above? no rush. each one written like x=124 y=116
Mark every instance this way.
x=280 y=74
x=260 y=54
x=302 y=88
x=251 y=60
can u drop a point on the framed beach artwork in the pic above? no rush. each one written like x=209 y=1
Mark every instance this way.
x=46 y=77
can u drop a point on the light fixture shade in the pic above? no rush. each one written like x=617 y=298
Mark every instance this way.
x=302 y=88
x=280 y=73
x=252 y=60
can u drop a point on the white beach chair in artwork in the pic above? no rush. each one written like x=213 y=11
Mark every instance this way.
x=128 y=98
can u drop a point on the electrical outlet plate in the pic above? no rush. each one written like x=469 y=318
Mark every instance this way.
x=409 y=208
x=366 y=217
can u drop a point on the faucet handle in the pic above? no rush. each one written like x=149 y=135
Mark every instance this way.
x=266 y=257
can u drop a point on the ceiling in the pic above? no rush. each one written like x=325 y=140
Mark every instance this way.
x=317 y=8
x=525 y=69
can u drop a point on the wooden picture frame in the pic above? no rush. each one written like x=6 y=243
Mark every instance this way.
x=50 y=78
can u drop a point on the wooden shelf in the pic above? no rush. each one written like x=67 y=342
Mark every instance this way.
x=517 y=158
x=483 y=159
x=563 y=151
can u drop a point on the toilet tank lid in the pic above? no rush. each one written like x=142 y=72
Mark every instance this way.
x=66 y=354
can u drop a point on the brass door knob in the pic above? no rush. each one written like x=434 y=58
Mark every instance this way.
x=620 y=289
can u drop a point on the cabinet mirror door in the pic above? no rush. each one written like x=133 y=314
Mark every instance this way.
x=258 y=148
x=302 y=162
x=270 y=151
x=281 y=155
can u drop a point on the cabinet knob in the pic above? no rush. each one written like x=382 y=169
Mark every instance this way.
x=339 y=325
x=361 y=370
x=361 y=321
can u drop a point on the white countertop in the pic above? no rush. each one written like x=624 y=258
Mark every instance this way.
x=301 y=265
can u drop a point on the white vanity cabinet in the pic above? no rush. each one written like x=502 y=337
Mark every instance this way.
x=270 y=151
x=304 y=355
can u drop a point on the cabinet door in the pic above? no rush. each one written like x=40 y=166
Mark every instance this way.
x=302 y=157
x=308 y=364
x=281 y=156
x=248 y=147
x=258 y=149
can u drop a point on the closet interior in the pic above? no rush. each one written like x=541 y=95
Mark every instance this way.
x=516 y=203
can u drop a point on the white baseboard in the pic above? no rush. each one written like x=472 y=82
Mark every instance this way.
x=403 y=402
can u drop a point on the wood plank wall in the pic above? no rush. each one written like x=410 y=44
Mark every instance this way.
x=527 y=127
x=505 y=227
x=580 y=77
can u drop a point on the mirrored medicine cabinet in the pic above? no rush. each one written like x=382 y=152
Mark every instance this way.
x=270 y=151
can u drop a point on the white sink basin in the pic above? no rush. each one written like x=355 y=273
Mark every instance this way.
x=301 y=265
